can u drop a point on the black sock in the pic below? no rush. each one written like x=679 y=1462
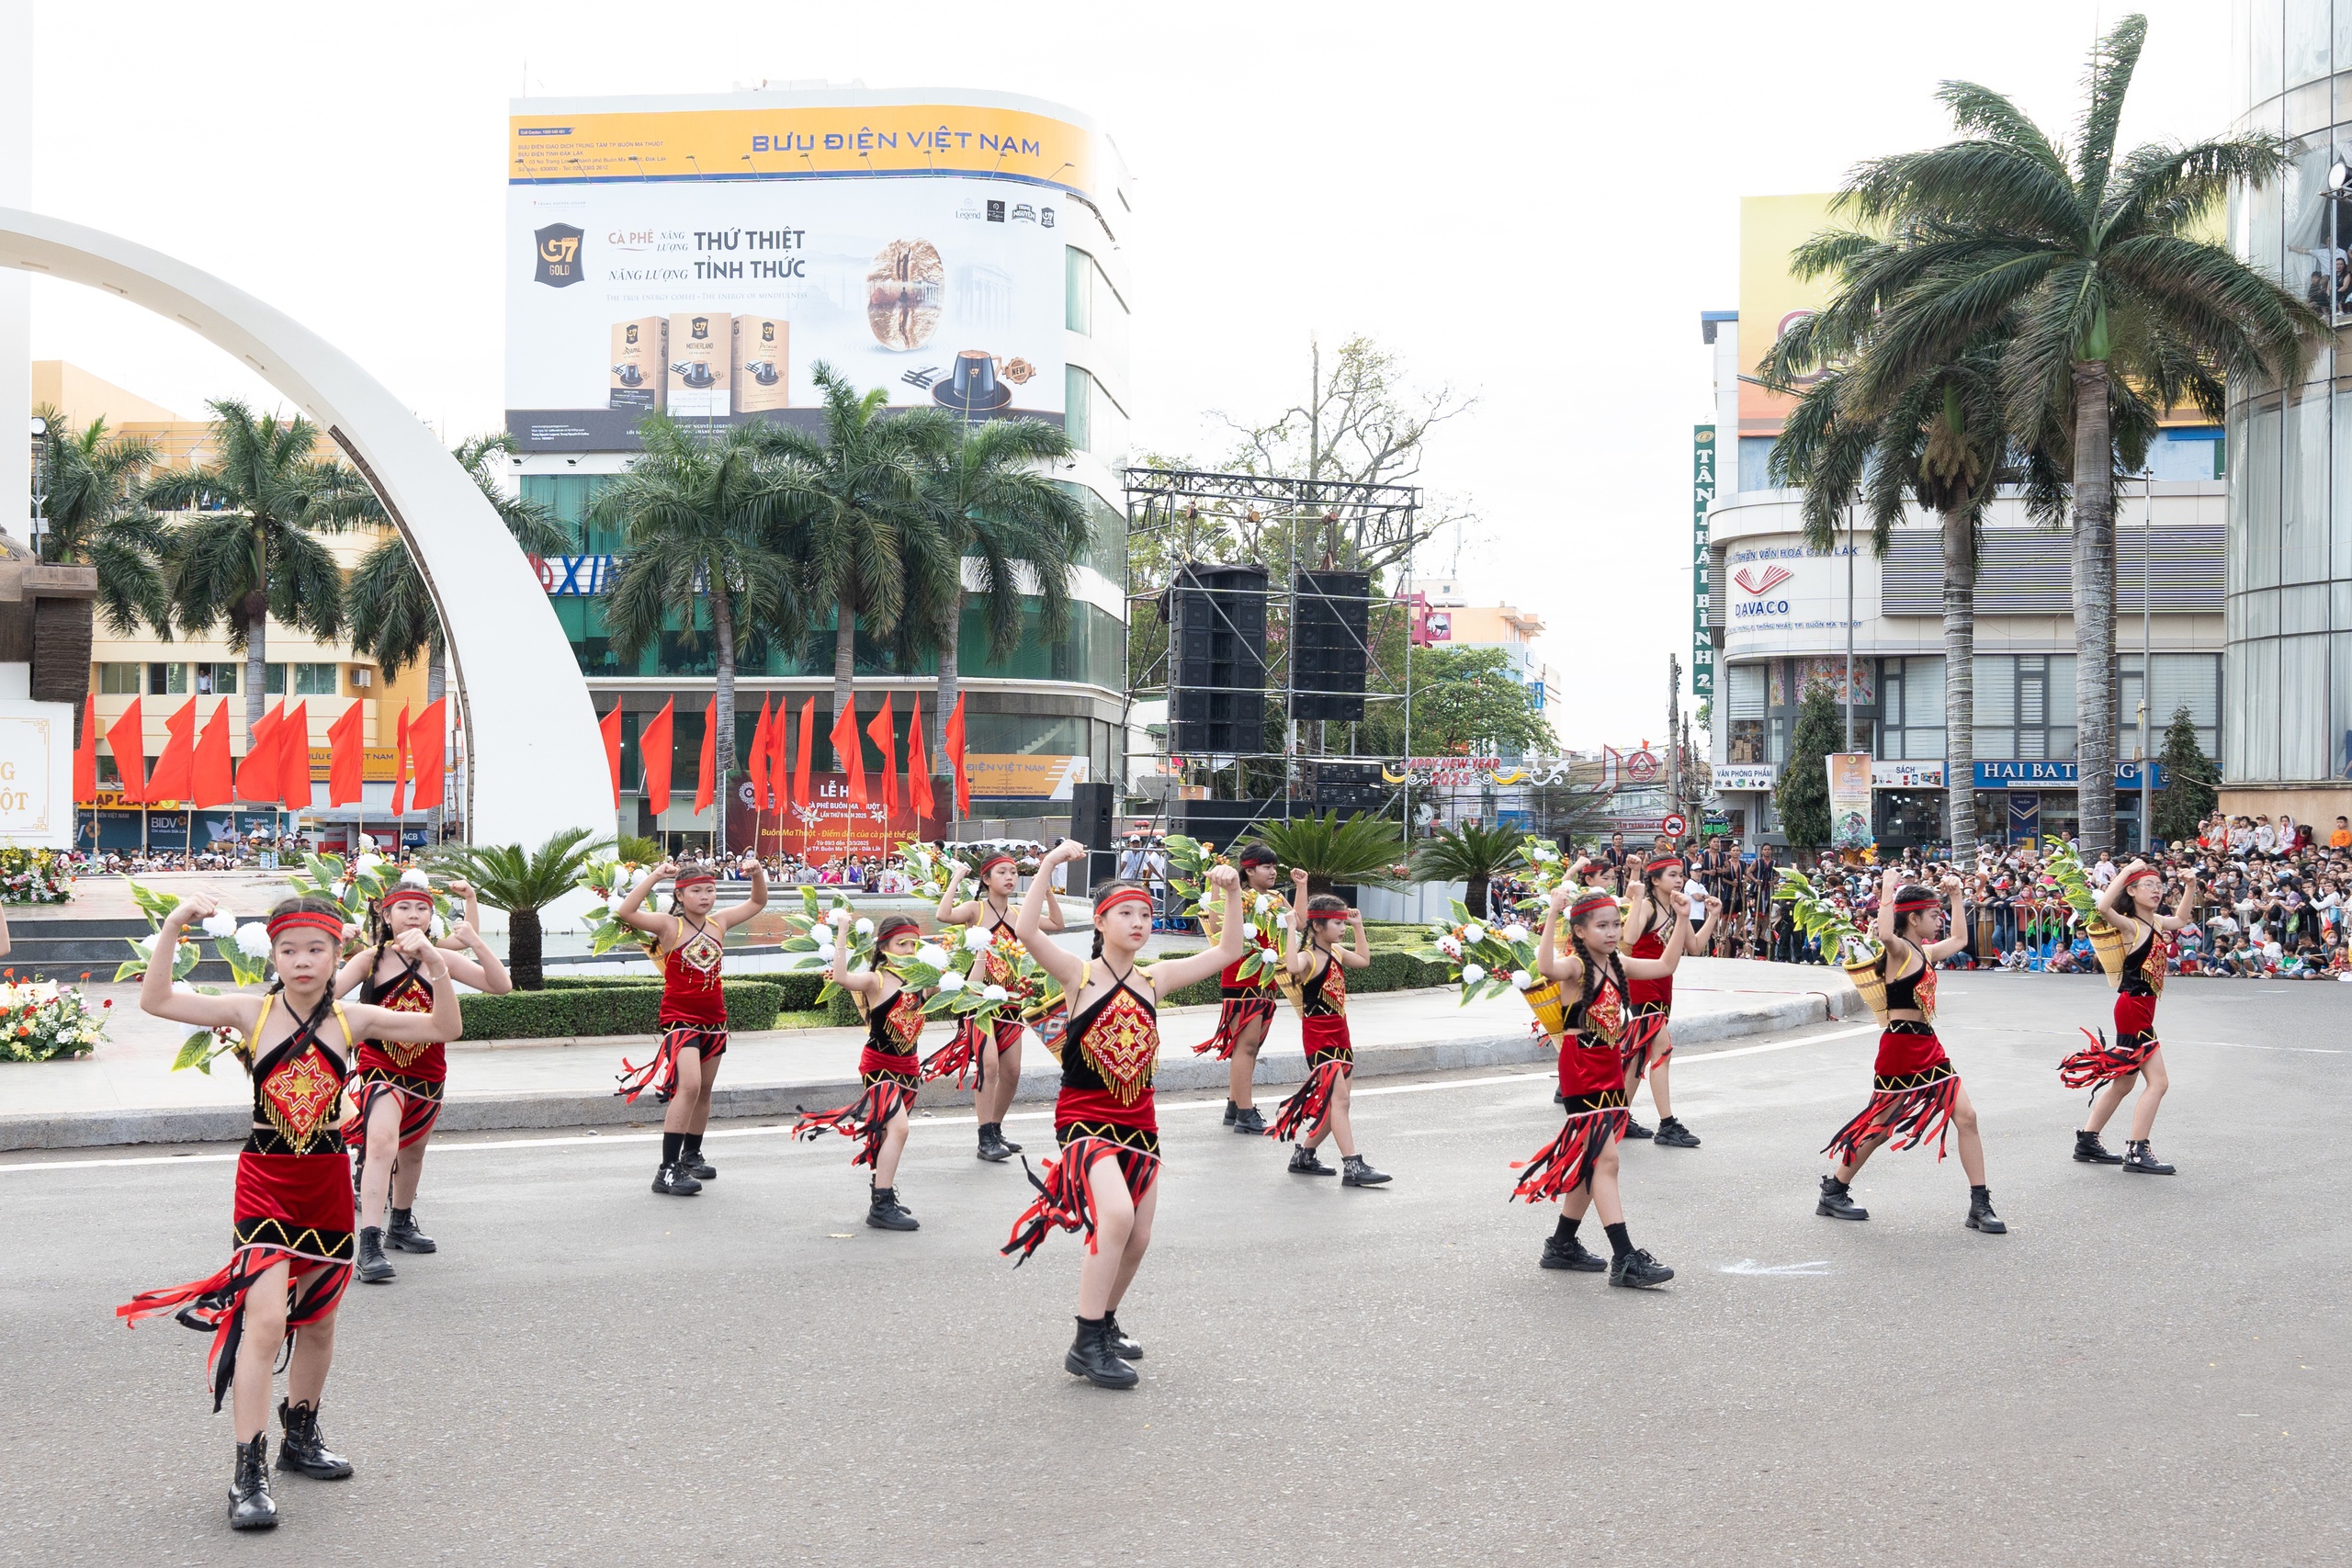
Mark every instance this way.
x=670 y=1142
x=691 y=1143
x=1568 y=1229
x=1619 y=1244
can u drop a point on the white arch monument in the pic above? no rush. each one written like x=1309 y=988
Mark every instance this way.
x=537 y=763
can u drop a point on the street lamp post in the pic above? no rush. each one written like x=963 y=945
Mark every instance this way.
x=2148 y=658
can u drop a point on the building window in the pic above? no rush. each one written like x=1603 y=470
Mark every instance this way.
x=1078 y=271
x=1744 y=704
x=1078 y=398
x=309 y=679
x=119 y=680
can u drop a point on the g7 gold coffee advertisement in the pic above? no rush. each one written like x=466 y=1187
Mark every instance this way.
x=712 y=299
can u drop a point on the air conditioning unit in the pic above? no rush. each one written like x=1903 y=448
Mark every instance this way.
x=363 y=678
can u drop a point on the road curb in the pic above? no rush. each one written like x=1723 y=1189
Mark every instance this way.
x=1491 y=1047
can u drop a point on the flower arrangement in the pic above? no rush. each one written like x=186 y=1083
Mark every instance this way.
x=42 y=1021
x=1823 y=920
x=604 y=880
x=1489 y=958
x=353 y=887
x=242 y=946
x=946 y=971
x=34 y=876
x=1189 y=864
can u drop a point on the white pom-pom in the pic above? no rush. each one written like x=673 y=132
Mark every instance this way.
x=438 y=928
x=1472 y=974
x=994 y=993
x=931 y=953
x=1450 y=947
x=253 y=939
x=975 y=939
x=951 y=982
x=1473 y=934
x=416 y=878
x=369 y=863
x=1515 y=933
x=1522 y=980
x=1265 y=903
x=220 y=925
x=864 y=928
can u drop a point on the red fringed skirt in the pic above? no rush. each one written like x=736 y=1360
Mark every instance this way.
x=418 y=1100
x=1560 y=1167
x=890 y=1083
x=1244 y=1004
x=1066 y=1192
x=289 y=1208
x=1913 y=1093
x=963 y=1054
x=660 y=1073
x=1330 y=1057
x=1644 y=1025
x=2135 y=1040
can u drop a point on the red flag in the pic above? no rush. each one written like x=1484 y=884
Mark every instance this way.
x=808 y=735
x=257 y=780
x=210 y=784
x=125 y=740
x=86 y=755
x=653 y=755
x=952 y=745
x=756 y=762
x=880 y=729
x=919 y=794
x=428 y=748
x=174 y=775
x=848 y=755
x=345 y=764
x=709 y=756
x=400 y=765
x=610 y=727
x=780 y=761
x=294 y=760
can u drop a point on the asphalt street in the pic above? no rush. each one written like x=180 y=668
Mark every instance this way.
x=2145 y=1371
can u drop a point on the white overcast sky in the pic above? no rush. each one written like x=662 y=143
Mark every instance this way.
x=1531 y=203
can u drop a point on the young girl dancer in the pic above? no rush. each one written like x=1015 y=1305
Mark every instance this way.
x=887 y=1069
x=2137 y=1053
x=994 y=1052
x=1649 y=1038
x=397 y=1089
x=1915 y=1093
x=291 y=1239
x=1579 y=1167
x=1247 y=1015
x=1320 y=990
x=1106 y=1184
x=688 y=944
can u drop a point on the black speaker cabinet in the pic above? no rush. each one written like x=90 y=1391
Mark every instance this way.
x=1216 y=660
x=1334 y=624
x=1090 y=810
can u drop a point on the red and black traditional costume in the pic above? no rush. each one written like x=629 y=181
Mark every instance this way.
x=888 y=1071
x=1331 y=1054
x=293 y=1196
x=965 y=1052
x=413 y=1076
x=692 y=1016
x=1914 y=1087
x=1650 y=1003
x=1593 y=1087
x=1105 y=1111
x=1247 y=1002
x=2139 y=983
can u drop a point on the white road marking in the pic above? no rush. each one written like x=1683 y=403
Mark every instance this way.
x=582 y=1139
x=1749 y=1266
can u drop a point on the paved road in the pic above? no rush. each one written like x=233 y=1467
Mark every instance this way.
x=2145 y=1371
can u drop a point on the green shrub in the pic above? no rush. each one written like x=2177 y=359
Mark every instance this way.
x=591 y=1008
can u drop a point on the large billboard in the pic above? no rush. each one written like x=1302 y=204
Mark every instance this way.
x=701 y=261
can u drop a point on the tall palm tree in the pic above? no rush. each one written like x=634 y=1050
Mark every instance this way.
x=253 y=550
x=996 y=507
x=702 y=515
x=857 y=518
x=1939 y=441
x=91 y=515
x=2115 y=308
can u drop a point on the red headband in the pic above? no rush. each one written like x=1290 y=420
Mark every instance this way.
x=1913 y=906
x=688 y=878
x=990 y=864
x=2143 y=872
x=312 y=919
x=1659 y=863
x=405 y=891
x=1588 y=903
x=1124 y=895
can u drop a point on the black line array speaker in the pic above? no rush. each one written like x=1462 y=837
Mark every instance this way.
x=1334 y=627
x=1090 y=810
x=1220 y=822
x=1216 y=660
x=1349 y=787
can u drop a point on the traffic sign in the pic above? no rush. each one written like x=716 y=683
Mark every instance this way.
x=1674 y=826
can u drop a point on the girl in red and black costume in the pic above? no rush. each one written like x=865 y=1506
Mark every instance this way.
x=292 y=1238
x=2108 y=1070
x=1649 y=1034
x=1579 y=1167
x=1318 y=987
x=1105 y=1185
x=887 y=1069
x=688 y=945
x=992 y=1051
x=1247 y=1015
x=1915 y=1094
x=396 y=1092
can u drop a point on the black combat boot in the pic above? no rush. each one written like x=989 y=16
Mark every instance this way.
x=2091 y=1151
x=374 y=1267
x=1838 y=1202
x=1980 y=1213
x=1231 y=1111
x=405 y=1237
x=2139 y=1157
x=1117 y=1342
x=1089 y=1357
x=1358 y=1173
x=992 y=1145
x=251 y=1507
x=303 y=1448
x=1303 y=1162
x=887 y=1213
x=1248 y=1123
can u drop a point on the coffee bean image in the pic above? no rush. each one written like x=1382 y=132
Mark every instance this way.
x=902 y=293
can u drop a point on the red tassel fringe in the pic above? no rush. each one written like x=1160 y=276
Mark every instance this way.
x=867 y=1118
x=1231 y=1020
x=1311 y=1106
x=1906 y=1118
x=960 y=1055
x=1641 y=1033
x=2100 y=1062
x=418 y=1113
x=1066 y=1193
x=1564 y=1163
x=216 y=1304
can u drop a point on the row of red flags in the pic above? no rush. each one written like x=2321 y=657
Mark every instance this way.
x=779 y=777
x=196 y=770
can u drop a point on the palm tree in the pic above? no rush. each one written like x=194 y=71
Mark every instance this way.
x=702 y=515
x=522 y=882
x=995 y=507
x=857 y=519
x=1366 y=850
x=1939 y=441
x=1469 y=854
x=91 y=516
x=2114 y=308
x=253 y=551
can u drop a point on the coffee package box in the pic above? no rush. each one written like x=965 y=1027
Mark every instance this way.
x=702 y=357
x=762 y=371
x=641 y=363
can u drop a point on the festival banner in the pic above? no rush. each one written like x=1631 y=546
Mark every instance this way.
x=1850 y=799
x=829 y=827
